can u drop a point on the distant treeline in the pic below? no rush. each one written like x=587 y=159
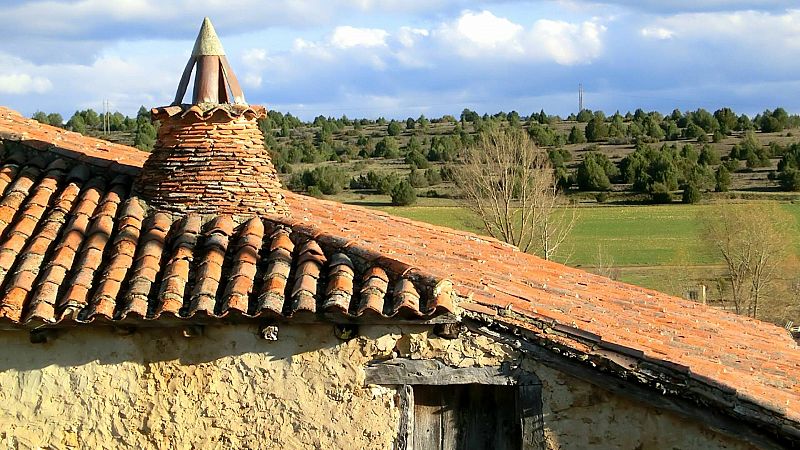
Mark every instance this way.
x=658 y=166
x=89 y=122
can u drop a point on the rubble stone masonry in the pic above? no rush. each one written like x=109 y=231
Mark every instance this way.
x=212 y=165
x=89 y=388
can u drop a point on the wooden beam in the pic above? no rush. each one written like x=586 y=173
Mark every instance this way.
x=432 y=372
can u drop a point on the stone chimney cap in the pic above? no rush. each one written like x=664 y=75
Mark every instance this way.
x=207 y=42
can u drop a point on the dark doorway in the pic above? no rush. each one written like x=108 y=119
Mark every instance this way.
x=465 y=417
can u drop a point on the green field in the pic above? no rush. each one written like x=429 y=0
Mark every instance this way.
x=658 y=246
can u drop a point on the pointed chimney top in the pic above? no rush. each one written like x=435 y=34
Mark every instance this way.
x=207 y=42
x=214 y=80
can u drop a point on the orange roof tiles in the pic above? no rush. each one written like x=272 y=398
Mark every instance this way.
x=119 y=158
x=357 y=262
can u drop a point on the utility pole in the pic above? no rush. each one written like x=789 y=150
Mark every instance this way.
x=580 y=97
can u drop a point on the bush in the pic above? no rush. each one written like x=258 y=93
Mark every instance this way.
x=329 y=180
x=790 y=179
x=660 y=193
x=595 y=172
x=394 y=128
x=387 y=148
x=722 y=178
x=691 y=194
x=602 y=197
x=417 y=159
x=315 y=191
x=596 y=130
x=417 y=178
x=433 y=176
x=403 y=194
x=708 y=156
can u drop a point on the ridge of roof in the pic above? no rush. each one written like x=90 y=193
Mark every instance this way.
x=747 y=367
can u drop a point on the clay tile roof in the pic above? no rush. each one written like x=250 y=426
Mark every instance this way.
x=75 y=248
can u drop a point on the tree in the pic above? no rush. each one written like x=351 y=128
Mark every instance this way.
x=387 y=148
x=509 y=182
x=55 y=120
x=576 y=135
x=691 y=194
x=393 y=129
x=403 y=194
x=752 y=240
x=40 y=117
x=722 y=178
x=77 y=124
x=596 y=129
x=595 y=172
x=145 y=136
x=584 y=115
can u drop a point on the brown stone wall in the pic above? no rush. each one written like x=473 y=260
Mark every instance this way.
x=211 y=166
x=91 y=388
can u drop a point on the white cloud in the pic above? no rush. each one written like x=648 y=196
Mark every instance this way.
x=486 y=30
x=408 y=36
x=347 y=37
x=660 y=33
x=484 y=35
x=567 y=43
x=22 y=83
x=741 y=26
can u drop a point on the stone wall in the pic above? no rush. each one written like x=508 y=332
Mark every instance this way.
x=91 y=388
x=211 y=165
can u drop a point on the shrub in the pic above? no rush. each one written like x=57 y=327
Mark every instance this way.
x=417 y=159
x=790 y=179
x=315 y=191
x=403 y=194
x=433 y=176
x=417 y=178
x=601 y=197
x=691 y=194
x=387 y=148
x=595 y=172
x=393 y=128
x=329 y=180
x=722 y=178
x=596 y=130
x=660 y=193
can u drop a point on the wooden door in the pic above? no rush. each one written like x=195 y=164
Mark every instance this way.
x=465 y=417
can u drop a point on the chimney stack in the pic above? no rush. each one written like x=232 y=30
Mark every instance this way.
x=209 y=157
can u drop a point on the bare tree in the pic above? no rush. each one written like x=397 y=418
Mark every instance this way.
x=752 y=241
x=509 y=182
x=604 y=264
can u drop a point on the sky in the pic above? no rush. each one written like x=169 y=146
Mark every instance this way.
x=403 y=58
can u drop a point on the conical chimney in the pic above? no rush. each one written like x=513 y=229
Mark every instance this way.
x=209 y=156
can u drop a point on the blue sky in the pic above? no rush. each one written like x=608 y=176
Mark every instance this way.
x=401 y=58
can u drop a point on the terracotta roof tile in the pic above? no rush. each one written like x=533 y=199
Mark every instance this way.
x=347 y=262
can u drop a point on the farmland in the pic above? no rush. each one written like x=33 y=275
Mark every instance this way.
x=655 y=246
